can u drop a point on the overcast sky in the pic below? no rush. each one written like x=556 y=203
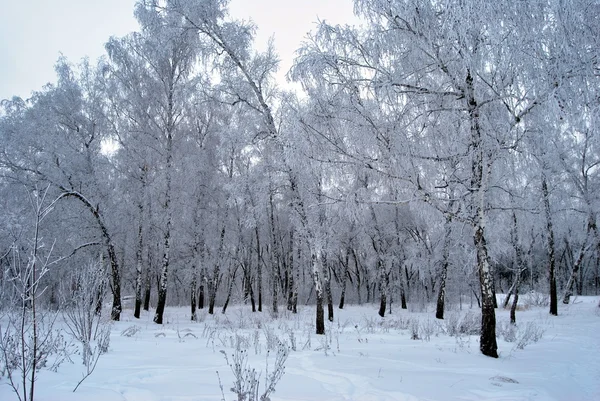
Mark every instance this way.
x=33 y=33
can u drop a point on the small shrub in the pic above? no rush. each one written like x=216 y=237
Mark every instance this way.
x=130 y=331
x=247 y=379
x=508 y=332
x=414 y=329
x=531 y=334
x=537 y=299
x=428 y=328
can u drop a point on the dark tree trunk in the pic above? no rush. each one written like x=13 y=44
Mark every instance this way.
x=201 y=292
x=139 y=261
x=358 y=277
x=320 y=319
x=215 y=280
x=252 y=301
x=212 y=295
x=297 y=281
x=147 y=288
x=163 y=283
x=327 y=288
x=258 y=268
x=317 y=270
x=551 y=253
x=229 y=289
x=513 y=308
x=344 y=278
x=193 y=290
x=290 y=274
x=275 y=259
x=115 y=283
x=382 y=304
x=439 y=312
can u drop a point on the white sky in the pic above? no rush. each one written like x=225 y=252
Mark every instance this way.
x=33 y=33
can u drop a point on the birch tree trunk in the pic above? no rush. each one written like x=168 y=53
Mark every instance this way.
x=439 y=313
x=479 y=175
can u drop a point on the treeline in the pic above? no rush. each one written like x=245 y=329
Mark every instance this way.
x=441 y=152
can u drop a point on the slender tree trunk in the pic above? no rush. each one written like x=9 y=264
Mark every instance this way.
x=115 y=283
x=291 y=272
x=345 y=278
x=591 y=227
x=163 y=282
x=193 y=291
x=297 y=281
x=201 y=290
x=574 y=273
x=229 y=289
x=551 y=253
x=479 y=175
x=258 y=267
x=215 y=279
x=252 y=300
x=439 y=313
x=317 y=269
x=164 y=275
x=327 y=286
x=148 y=284
x=358 y=276
x=138 y=256
x=382 y=303
x=275 y=259
x=170 y=128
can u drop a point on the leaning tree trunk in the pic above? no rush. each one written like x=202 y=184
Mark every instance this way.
x=574 y=273
x=577 y=265
x=229 y=289
x=115 y=283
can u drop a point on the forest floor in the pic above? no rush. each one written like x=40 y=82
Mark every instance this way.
x=406 y=355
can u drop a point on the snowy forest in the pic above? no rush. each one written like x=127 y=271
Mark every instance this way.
x=436 y=154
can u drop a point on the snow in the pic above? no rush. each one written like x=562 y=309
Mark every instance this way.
x=362 y=357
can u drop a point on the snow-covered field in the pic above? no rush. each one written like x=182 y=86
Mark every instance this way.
x=362 y=357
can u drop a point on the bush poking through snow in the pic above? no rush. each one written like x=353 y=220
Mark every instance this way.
x=82 y=314
x=414 y=329
x=531 y=334
x=247 y=379
x=469 y=324
x=509 y=332
x=538 y=299
x=131 y=331
x=428 y=328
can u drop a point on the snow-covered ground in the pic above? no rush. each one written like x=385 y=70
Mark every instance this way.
x=363 y=357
